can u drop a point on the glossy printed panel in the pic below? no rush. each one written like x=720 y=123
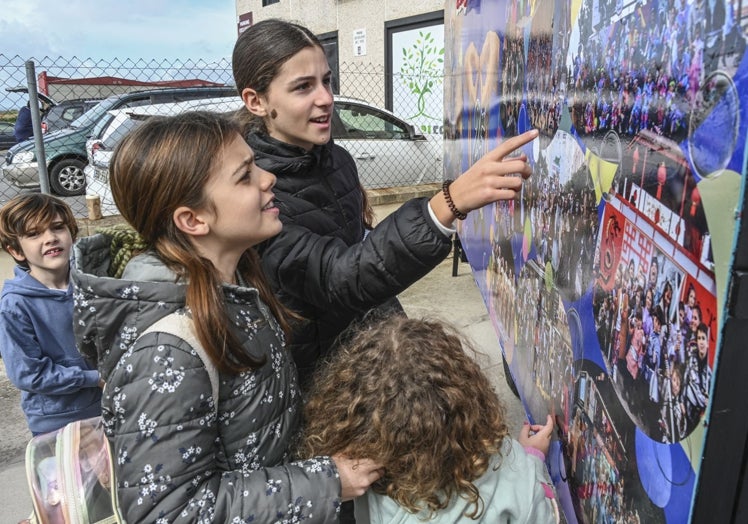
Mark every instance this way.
x=605 y=280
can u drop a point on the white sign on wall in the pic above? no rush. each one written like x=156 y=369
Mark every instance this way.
x=359 y=42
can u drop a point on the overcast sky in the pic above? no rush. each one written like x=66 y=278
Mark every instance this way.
x=106 y=29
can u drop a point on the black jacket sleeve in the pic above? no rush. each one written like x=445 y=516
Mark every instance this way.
x=324 y=271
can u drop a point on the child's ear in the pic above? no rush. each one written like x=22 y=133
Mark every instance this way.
x=254 y=102
x=190 y=222
x=17 y=255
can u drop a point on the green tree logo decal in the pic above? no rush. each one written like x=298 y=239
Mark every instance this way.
x=422 y=70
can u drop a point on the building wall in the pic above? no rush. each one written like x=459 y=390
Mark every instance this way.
x=344 y=16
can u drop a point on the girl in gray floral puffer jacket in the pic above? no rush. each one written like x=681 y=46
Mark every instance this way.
x=190 y=188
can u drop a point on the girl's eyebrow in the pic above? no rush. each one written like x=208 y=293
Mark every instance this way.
x=247 y=162
x=308 y=78
x=301 y=79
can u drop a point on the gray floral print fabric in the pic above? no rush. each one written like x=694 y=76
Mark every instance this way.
x=177 y=457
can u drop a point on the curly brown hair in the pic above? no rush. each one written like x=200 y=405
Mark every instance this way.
x=404 y=393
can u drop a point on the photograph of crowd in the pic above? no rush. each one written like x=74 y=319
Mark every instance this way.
x=656 y=329
x=601 y=463
x=597 y=459
x=640 y=65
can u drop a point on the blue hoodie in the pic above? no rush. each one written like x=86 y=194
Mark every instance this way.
x=38 y=348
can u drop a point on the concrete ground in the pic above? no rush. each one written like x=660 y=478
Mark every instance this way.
x=437 y=295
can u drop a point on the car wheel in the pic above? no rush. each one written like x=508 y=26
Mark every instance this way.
x=67 y=178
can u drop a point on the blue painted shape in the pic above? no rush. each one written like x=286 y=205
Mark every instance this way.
x=666 y=474
x=585 y=335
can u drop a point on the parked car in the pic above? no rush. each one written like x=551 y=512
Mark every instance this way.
x=387 y=150
x=7 y=138
x=65 y=149
x=111 y=129
x=64 y=113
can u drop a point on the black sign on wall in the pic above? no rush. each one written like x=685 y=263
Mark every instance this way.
x=245 y=21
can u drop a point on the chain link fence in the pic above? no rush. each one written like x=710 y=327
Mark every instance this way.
x=82 y=101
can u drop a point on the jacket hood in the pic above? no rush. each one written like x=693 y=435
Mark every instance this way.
x=109 y=312
x=281 y=158
x=26 y=285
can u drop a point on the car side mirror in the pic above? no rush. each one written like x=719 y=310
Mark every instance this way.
x=414 y=134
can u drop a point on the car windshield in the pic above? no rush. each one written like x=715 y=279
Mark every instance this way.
x=93 y=114
x=116 y=133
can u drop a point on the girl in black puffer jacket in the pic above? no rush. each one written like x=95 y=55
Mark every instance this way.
x=321 y=265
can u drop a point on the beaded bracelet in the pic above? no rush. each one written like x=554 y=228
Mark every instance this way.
x=452 y=207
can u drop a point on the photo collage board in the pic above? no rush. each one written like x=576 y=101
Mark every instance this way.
x=605 y=279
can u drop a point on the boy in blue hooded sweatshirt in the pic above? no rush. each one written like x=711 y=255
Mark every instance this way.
x=37 y=344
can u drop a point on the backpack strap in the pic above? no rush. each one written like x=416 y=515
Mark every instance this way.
x=181 y=326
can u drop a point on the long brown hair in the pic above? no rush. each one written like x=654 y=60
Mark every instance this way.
x=165 y=164
x=260 y=52
x=404 y=393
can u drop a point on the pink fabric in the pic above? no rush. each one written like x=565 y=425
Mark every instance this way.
x=535 y=452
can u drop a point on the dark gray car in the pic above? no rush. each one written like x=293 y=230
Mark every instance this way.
x=7 y=138
x=65 y=112
x=65 y=149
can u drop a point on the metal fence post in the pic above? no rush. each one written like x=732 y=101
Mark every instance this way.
x=36 y=123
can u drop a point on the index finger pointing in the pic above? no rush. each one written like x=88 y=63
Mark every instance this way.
x=510 y=144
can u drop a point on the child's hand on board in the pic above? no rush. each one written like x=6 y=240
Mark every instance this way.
x=537 y=436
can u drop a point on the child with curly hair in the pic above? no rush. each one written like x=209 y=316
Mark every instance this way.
x=405 y=394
